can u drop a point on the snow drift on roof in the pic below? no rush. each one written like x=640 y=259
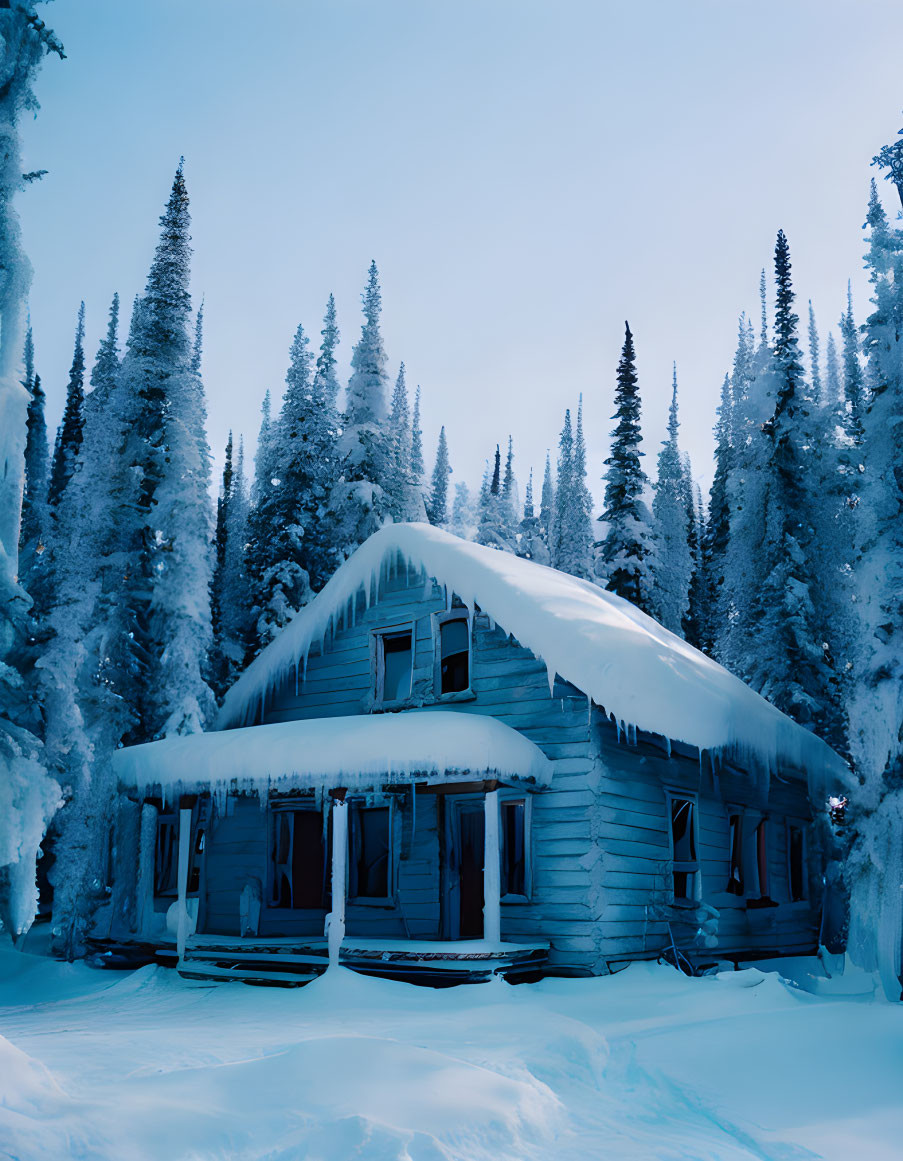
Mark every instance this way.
x=434 y=745
x=625 y=661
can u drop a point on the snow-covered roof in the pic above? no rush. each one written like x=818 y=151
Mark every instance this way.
x=639 y=672
x=429 y=745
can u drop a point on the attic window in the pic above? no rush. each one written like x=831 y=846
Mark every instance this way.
x=395 y=665
x=685 y=866
x=454 y=644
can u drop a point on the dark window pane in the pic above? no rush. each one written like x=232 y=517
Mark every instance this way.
x=683 y=838
x=514 y=877
x=371 y=852
x=455 y=659
x=735 y=880
x=397 y=660
x=762 y=857
x=682 y=881
x=797 y=865
x=166 y=857
x=307 y=859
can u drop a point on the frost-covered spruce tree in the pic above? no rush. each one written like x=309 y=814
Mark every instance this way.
x=571 y=525
x=717 y=528
x=875 y=868
x=217 y=678
x=463 y=519
x=30 y=795
x=33 y=534
x=694 y=621
x=437 y=508
x=789 y=664
x=404 y=482
x=624 y=556
x=833 y=385
x=853 y=379
x=418 y=467
x=494 y=527
x=530 y=542
x=564 y=483
x=815 y=385
x=71 y=430
x=167 y=447
x=673 y=565
x=360 y=503
x=547 y=506
x=231 y=590
x=509 y=503
x=320 y=557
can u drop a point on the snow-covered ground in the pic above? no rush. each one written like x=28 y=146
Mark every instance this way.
x=646 y=1064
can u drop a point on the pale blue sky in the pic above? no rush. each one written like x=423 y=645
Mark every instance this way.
x=527 y=175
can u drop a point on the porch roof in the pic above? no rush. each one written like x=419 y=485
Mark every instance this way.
x=416 y=745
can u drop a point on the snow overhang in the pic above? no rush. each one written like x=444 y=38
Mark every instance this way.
x=428 y=745
x=637 y=671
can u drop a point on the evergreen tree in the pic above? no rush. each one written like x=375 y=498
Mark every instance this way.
x=673 y=567
x=359 y=502
x=833 y=386
x=71 y=430
x=437 y=509
x=530 y=542
x=494 y=527
x=463 y=515
x=815 y=388
x=547 y=506
x=418 y=468
x=321 y=558
x=231 y=590
x=33 y=532
x=717 y=532
x=564 y=487
x=853 y=382
x=624 y=555
x=694 y=621
x=572 y=524
x=404 y=481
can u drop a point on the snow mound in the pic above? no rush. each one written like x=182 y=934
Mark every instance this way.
x=428 y=744
x=641 y=674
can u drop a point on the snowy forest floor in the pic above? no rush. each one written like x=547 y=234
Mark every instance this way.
x=645 y=1064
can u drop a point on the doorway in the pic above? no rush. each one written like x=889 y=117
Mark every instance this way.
x=465 y=844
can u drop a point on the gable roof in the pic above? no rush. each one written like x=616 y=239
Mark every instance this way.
x=640 y=673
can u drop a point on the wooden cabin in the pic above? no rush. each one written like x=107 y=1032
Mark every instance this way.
x=469 y=763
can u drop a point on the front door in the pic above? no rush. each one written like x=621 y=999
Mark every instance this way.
x=466 y=847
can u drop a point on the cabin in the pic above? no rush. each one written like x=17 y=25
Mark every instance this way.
x=456 y=763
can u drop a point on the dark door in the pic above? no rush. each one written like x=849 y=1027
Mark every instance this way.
x=471 y=833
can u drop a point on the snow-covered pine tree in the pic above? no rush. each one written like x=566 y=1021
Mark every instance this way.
x=815 y=387
x=696 y=524
x=71 y=430
x=624 y=556
x=359 y=503
x=789 y=663
x=717 y=529
x=418 y=467
x=169 y=587
x=547 y=506
x=33 y=534
x=509 y=504
x=494 y=528
x=30 y=795
x=833 y=385
x=463 y=521
x=530 y=542
x=673 y=567
x=572 y=522
x=231 y=587
x=876 y=707
x=564 y=485
x=437 y=508
x=218 y=678
x=320 y=556
x=853 y=380
x=404 y=482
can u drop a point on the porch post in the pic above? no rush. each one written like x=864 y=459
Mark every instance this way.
x=184 y=853
x=335 y=921
x=147 y=844
x=492 y=885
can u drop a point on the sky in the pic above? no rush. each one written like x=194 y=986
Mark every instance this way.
x=527 y=176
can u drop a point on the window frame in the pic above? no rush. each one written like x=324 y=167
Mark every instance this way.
x=515 y=796
x=438 y=620
x=799 y=824
x=377 y=663
x=274 y=810
x=762 y=862
x=169 y=819
x=688 y=867
x=736 y=812
x=355 y=806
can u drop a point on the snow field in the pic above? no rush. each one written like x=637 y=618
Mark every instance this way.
x=646 y=1064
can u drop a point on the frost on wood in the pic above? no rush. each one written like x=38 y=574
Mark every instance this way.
x=429 y=744
x=627 y=663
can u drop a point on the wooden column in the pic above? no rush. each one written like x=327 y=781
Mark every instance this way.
x=147 y=846
x=184 y=855
x=492 y=877
x=335 y=920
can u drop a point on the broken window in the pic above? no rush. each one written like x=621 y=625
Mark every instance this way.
x=370 y=852
x=395 y=660
x=685 y=866
x=796 y=857
x=454 y=652
x=735 y=878
x=514 y=847
x=166 y=855
x=299 y=859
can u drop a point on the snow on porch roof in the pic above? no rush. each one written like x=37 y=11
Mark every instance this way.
x=435 y=745
x=624 y=660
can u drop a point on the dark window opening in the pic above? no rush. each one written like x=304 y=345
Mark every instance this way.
x=166 y=855
x=299 y=859
x=397 y=663
x=370 y=843
x=735 y=879
x=796 y=854
x=514 y=848
x=683 y=848
x=762 y=857
x=454 y=643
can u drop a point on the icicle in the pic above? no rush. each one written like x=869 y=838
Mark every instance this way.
x=296 y=677
x=589 y=711
x=427 y=588
x=550 y=675
x=618 y=725
x=668 y=746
